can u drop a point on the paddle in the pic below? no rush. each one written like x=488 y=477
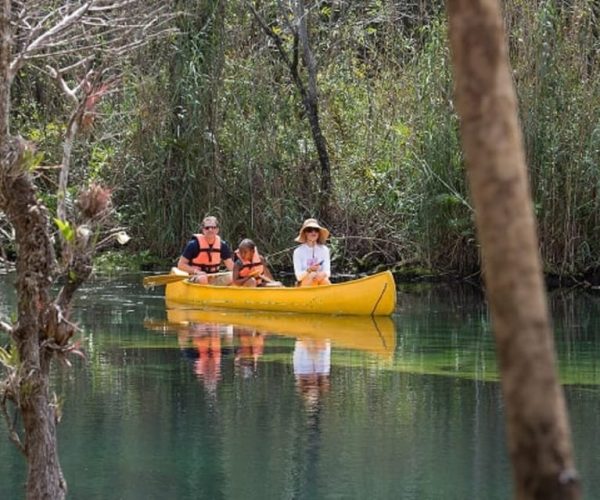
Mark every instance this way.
x=165 y=279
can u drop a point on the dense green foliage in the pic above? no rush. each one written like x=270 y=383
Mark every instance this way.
x=210 y=122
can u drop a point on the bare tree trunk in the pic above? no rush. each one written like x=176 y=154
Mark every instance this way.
x=17 y=200
x=311 y=104
x=63 y=178
x=29 y=218
x=34 y=267
x=538 y=430
x=310 y=95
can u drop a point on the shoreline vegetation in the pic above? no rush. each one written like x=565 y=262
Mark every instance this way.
x=211 y=121
x=113 y=262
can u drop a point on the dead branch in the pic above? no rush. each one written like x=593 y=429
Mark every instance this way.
x=13 y=435
x=292 y=64
x=6 y=327
x=97 y=27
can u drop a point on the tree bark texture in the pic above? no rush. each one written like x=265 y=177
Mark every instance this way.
x=34 y=269
x=537 y=423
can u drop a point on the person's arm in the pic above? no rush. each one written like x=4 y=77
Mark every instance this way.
x=266 y=272
x=299 y=270
x=237 y=279
x=185 y=261
x=228 y=263
x=184 y=265
x=326 y=265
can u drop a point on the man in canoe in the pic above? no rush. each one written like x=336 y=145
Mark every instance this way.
x=250 y=268
x=312 y=264
x=204 y=254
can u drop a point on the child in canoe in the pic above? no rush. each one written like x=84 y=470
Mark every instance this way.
x=250 y=268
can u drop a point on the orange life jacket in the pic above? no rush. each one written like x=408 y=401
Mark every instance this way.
x=209 y=256
x=250 y=266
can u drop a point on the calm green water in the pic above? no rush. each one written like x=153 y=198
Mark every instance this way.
x=187 y=406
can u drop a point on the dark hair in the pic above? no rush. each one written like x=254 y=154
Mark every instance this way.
x=247 y=243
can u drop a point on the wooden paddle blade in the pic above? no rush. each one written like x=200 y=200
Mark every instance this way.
x=164 y=279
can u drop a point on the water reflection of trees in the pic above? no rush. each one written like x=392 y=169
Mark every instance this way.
x=392 y=431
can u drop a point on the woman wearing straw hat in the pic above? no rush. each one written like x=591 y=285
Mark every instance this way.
x=312 y=265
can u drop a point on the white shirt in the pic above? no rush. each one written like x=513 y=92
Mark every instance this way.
x=312 y=358
x=305 y=256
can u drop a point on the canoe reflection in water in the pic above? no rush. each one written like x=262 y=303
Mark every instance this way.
x=215 y=334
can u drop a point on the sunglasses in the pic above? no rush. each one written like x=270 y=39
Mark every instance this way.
x=210 y=227
x=311 y=230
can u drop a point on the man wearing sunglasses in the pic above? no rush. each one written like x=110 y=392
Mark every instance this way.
x=204 y=254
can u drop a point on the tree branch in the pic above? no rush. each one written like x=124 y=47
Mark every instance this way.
x=13 y=435
x=278 y=42
x=102 y=26
x=6 y=327
x=63 y=24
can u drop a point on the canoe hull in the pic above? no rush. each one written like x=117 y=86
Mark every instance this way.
x=373 y=296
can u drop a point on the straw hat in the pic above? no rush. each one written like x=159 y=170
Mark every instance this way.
x=323 y=233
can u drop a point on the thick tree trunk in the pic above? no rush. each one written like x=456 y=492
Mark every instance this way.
x=34 y=271
x=44 y=473
x=537 y=424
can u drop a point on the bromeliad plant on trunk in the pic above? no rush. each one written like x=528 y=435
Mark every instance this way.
x=83 y=45
x=43 y=330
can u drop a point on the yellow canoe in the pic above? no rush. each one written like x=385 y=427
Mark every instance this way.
x=376 y=335
x=370 y=296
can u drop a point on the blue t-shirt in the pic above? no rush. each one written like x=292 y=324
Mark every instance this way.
x=192 y=249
